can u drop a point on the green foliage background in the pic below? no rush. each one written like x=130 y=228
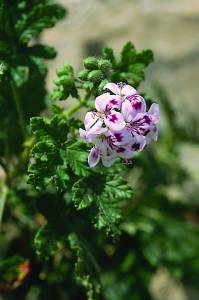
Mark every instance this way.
x=86 y=234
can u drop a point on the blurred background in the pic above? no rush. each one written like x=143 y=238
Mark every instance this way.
x=168 y=27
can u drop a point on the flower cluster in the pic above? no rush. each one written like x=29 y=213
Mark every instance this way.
x=120 y=126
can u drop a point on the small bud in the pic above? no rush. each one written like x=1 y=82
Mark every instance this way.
x=56 y=81
x=56 y=95
x=65 y=70
x=95 y=76
x=66 y=80
x=83 y=74
x=104 y=65
x=88 y=85
x=90 y=63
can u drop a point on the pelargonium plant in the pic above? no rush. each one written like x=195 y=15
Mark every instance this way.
x=74 y=225
x=120 y=126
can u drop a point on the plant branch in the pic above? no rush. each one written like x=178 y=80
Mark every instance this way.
x=3 y=195
x=19 y=109
x=69 y=112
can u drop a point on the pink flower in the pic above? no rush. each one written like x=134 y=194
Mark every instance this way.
x=93 y=125
x=127 y=92
x=120 y=126
x=106 y=106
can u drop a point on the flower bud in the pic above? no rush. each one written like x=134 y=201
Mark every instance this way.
x=65 y=70
x=104 y=65
x=57 y=81
x=95 y=76
x=90 y=63
x=83 y=74
x=66 y=80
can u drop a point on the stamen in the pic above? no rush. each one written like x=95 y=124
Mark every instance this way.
x=121 y=85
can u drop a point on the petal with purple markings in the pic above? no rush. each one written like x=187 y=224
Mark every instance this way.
x=94 y=157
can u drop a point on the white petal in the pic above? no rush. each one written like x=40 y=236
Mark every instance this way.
x=107 y=161
x=154 y=112
x=90 y=119
x=113 y=88
x=128 y=90
x=127 y=111
x=97 y=127
x=82 y=134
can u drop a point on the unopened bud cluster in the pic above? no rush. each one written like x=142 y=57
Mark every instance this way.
x=96 y=71
x=64 y=83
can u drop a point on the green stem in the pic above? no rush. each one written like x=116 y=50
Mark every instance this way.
x=19 y=109
x=3 y=195
x=69 y=112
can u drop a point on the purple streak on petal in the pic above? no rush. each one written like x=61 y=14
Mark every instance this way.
x=138 y=103
x=135 y=147
x=141 y=124
x=114 y=120
x=101 y=102
x=94 y=157
x=118 y=136
x=120 y=150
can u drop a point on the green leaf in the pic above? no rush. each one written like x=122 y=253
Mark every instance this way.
x=42 y=51
x=43 y=15
x=82 y=193
x=77 y=158
x=45 y=242
x=108 y=193
x=86 y=268
x=54 y=157
x=130 y=69
x=109 y=54
x=128 y=54
x=145 y=57
x=48 y=165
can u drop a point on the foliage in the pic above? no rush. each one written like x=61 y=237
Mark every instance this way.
x=68 y=231
x=20 y=22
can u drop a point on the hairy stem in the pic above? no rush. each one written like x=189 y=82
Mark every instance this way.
x=69 y=112
x=3 y=195
x=19 y=109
